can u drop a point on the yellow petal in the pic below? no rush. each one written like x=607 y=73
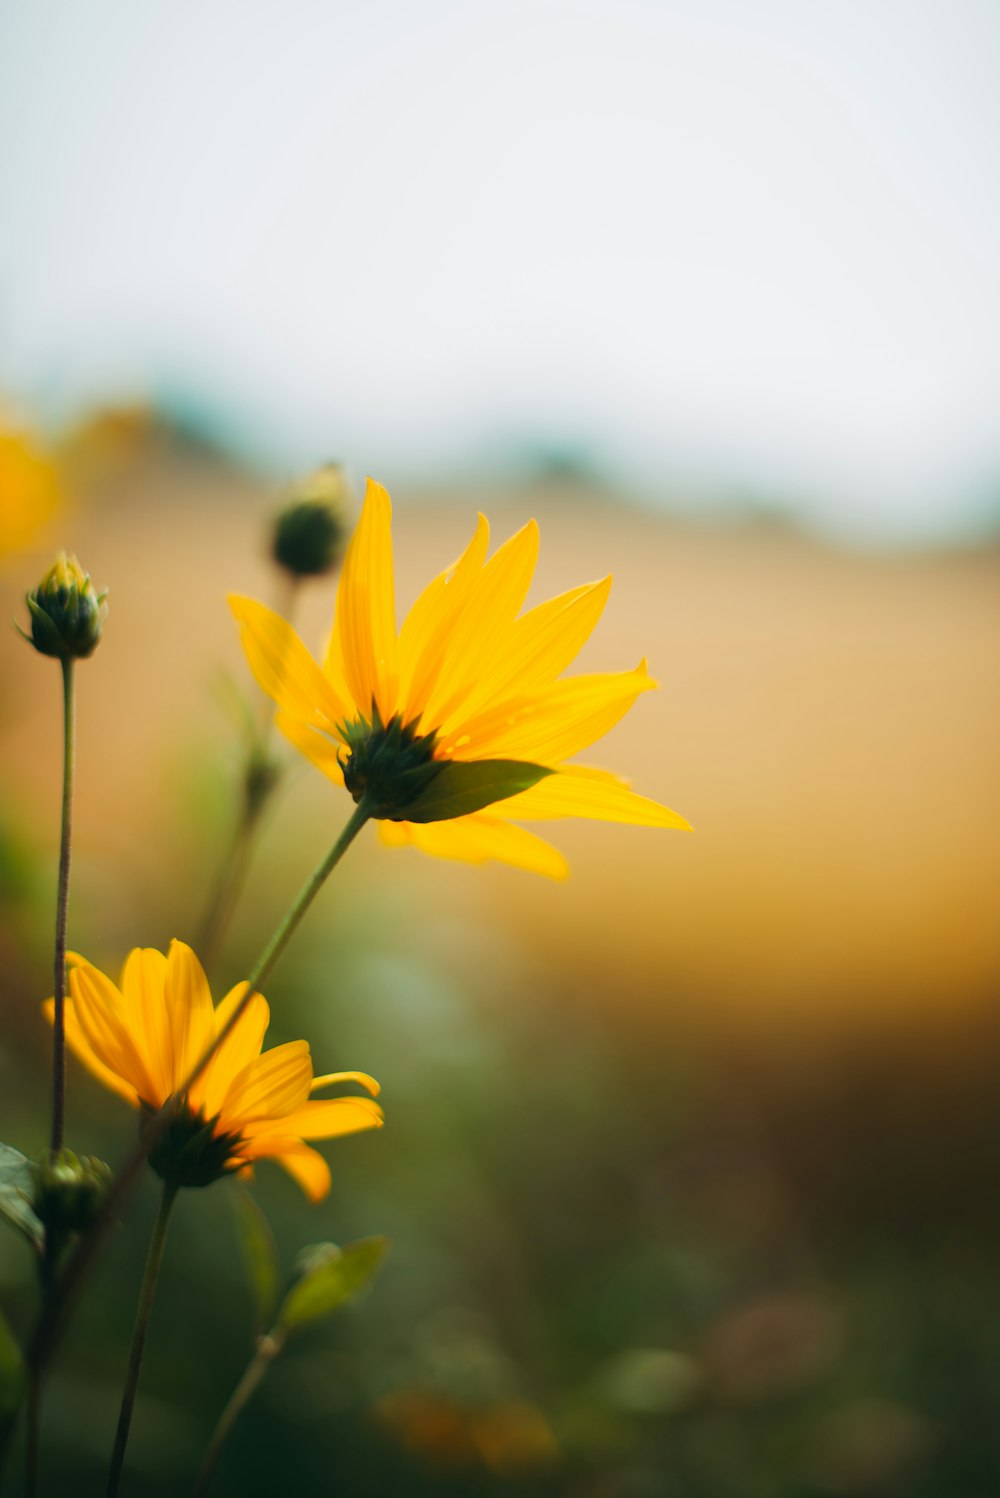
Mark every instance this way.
x=366 y=609
x=476 y=838
x=492 y=605
x=557 y=722
x=361 y=1077
x=98 y=1008
x=271 y=1086
x=143 y=978
x=190 y=1013
x=239 y=1048
x=535 y=649
x=283 y=666
x=328 y=1118
x=429 y=626
x=78 y=1044
x=570 y=793
x=317 y=747
x=303 y=1164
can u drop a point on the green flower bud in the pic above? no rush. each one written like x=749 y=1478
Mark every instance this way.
x=311 y=531
x=69 y=1190
x=67 y=615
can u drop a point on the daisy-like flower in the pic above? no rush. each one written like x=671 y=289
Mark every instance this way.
x=144 y=1038
x=459 y=726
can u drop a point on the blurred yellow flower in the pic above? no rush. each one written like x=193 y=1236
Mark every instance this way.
x=467 y=679
x=144 y=1038
x=29 y=490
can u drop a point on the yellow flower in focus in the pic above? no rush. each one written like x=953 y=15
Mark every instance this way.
x=144 y=1038
x=29 y=490
x=468 y=679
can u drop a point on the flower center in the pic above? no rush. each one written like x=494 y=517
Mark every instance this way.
x=389 y=764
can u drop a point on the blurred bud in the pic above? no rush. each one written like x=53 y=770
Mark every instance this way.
x=67 y=615
x=311 y=531
x=69 y=1190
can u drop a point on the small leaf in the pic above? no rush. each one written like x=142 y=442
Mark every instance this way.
x=331 y=1276
x=11 y=1371
x=261 y=1256
x=17 y=1190
x=462 y=787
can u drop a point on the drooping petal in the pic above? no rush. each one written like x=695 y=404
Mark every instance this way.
x=553 y=724
x=477 y=838
x=317 y=747
x=269 y=1087
x=283 y=666
x=430 y=625
x=577 y=792
x=361 y=1077
x=493 y=603
x=328 y=1118
x=366 y=609
x=304 y=1165
x=82 y=1050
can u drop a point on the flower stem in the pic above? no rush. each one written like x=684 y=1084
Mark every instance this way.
x=62 y=908
x=153 y=1261
x=34 y=1422
x=55 y=1312
x=267 y=1350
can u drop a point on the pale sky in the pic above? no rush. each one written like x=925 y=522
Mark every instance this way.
x=720 y=241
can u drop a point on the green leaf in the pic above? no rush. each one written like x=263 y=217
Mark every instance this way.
x=17 y=1190
x=11 y=1371
x=331 y=1276
x=459 y=788
x=261 y=1256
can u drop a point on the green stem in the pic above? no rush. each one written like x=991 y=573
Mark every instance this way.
x=56 y=1311
x=260 y=779
x=267 y=1350
x=62 y=909
x=153 y=1261
x=34 y=1422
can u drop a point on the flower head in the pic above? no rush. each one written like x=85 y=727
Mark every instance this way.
x=469 y=681
x=310 y=532
x=145 y=1037
x=67 y=613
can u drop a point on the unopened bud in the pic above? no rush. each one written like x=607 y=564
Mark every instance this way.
x=67 y=614
x=69 y=1190
x=311 y=531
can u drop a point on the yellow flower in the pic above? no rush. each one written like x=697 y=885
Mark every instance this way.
x=143 y=1039
x=29 y=490
x=468 y=679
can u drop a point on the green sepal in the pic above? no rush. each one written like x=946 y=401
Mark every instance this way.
x=17 y=1194
x=461 y=787
x=11 y=1371
x=261 y=1255
x=329 y=1278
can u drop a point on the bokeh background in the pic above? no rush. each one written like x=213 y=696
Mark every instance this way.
x=690 y=1167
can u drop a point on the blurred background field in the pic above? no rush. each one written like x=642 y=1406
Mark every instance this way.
x=690 y=1165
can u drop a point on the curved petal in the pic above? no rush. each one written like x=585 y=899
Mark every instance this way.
x=361 y=1077
x=575 y=792
x=366 y=609
x=283 y=666
x=428 y=627
x=269 y=1087
x=143 y=977
x=477 y=838
x=78 y=1044
x=240 y=1047
x=190 y=1013
x=328 y=1118
x=98 y=1007
x=303 y=1164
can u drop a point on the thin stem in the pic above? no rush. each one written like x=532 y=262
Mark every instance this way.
x=153 y=1261
x=267 y=1350
x=57 y=1309
x=62 y=908
x=260 y=779
x=34 y=1422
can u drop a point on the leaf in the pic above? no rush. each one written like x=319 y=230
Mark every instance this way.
x=261 y=1256
x=11 y=1371
x=17 y=1190
x=462 y=787
x=331 y=1277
